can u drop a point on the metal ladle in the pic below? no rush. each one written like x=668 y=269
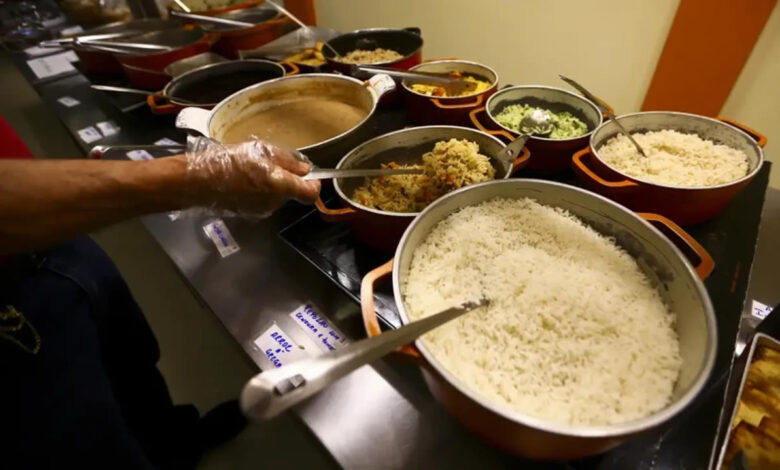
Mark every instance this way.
x=606 y=109
x=272 y=392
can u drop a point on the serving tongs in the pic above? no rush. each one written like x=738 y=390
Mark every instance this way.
x=272 y=392
x=316 y=173
x=454 y=86
x=212 y=20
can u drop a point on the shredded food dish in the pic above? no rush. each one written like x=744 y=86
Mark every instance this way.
x=676 y=159
x=374 y=56
x=478 y=86
x=575 y=333
x=565 y=124
x=450 y=165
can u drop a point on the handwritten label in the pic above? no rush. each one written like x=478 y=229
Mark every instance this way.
x=90 y=134
x=760 y=310
x=218 y=232
x=36 y=51
x=278 y=347
x=71 y=56
x=71 y=30
x=382 y=84
x=138 y=155
x=68 y=101
x=167 y=141
x=318 y=329
x=52 y=65
x=108 y=128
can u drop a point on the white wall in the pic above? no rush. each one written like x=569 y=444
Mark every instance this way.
x=755 y=98
x=610 y=46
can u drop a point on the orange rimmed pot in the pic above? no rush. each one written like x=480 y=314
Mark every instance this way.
x=548 y=155
x=662 y=261
x=425 y=109
x=269 y=24
x=684 y=205
x=211 y=84
x=382 y=229
x=147 y=70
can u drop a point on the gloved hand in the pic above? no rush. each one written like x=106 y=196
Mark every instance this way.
x=252 y=178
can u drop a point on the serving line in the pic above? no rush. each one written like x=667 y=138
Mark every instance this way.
x=381 y=416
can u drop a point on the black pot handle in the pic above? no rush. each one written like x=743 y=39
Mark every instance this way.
x=414 y=30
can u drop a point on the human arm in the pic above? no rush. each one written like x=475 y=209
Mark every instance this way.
x=43 y=202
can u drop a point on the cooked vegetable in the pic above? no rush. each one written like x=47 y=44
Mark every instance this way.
x=375 y=56
x=436 y=90
x=565 y=124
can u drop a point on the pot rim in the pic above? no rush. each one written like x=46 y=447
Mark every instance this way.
x=206 y=37
x=240 y=29
x=590 y=103
x=179 y=78
x=603 y=431
x=361 y=207
x=326 y=51
x=307 y=76
x=747 y=177
x=493 y=85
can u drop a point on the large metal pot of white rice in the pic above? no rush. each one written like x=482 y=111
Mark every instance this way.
x=677 y=281
x=684 y=203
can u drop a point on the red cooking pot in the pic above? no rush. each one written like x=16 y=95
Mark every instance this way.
x=426 y=109
x=408 y=42
x=269 y=24
x=382 y=229
x=145 y=70
x=684 y=205
x=548 y=155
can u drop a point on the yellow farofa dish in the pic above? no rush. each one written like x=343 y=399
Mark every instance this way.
x=451 y=164
x=374 y=56
x=439 y=91
x=675 y=159
x=575 y=332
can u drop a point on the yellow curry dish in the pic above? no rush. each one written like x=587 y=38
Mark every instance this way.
x=478 y=86
x=451 y=164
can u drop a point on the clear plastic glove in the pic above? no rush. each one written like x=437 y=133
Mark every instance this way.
x=251 y=179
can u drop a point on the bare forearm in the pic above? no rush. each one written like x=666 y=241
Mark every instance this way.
x=45 y=201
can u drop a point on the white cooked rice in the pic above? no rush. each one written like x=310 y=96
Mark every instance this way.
x=575 y=333
x=675 y=159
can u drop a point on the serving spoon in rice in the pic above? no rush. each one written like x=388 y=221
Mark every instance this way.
x=604 y=107
x=270 y=393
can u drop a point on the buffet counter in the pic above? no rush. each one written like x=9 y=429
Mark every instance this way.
x=262 y=285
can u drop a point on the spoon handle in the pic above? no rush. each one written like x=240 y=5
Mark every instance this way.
x=272 y=392
x=601 y=104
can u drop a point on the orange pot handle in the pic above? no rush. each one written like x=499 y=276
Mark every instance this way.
x=334 y=215
x=521 y=160
x=476 y=102
x=757 y=136
x=475 y=120
x=293 y=68
x=579 y=166
x=370 y=321
x=704 y=265
x=157 y=107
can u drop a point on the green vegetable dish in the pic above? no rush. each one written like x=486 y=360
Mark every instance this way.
x=564 y=124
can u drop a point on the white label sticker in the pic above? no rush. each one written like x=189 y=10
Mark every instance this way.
x=68 y=101
x=71 y=56
x=36 y=51
x=278 y=347
x=174 y=215
x=71 y=30
x=167 y=141
x=51 y=65
x=138 y=155
x=318 y=329
x=760 y=310
x=382 y=84
x=108 y=128
x=90 y=134
x=218 y=232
